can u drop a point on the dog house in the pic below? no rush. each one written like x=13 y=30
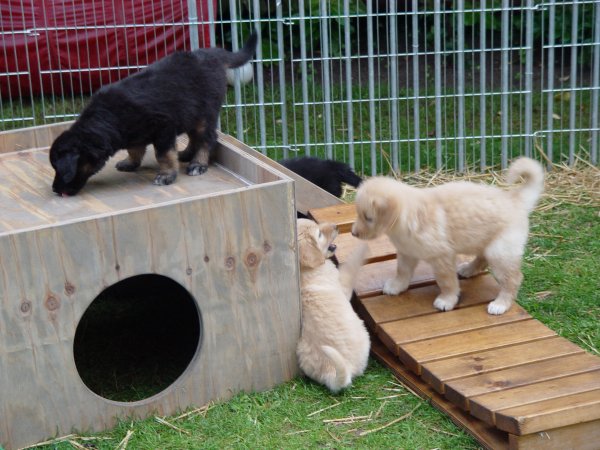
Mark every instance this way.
x=226 y=237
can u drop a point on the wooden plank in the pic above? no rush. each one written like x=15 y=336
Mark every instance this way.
x=419 y=301
x=438 y=373
x=380 y=249
x=459 y=391
x=549 y=414
x=581 y=436
x=417 y=353
x=372 y=276
x=448 y=323
x=342 y=215
x=485 y=406
x=488 y=436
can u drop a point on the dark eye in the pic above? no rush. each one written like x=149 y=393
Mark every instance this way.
x=368 y=219
x=320 y=234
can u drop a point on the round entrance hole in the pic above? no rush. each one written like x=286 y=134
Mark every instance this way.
x=137 y=337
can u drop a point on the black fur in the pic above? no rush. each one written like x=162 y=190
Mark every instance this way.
x=325 y=173
x=182 y=93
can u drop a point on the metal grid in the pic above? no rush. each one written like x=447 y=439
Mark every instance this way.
x=388 y=85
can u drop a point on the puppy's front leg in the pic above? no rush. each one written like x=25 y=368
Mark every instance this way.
x=168 y=167
x=404 y=271
x=133 y=160
x=350 y=268
x=445 y=275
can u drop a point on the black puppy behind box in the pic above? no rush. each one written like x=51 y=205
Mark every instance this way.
x=181 y=93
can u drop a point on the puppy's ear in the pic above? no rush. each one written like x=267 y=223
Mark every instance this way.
x=66 y=166
x=310 y=255
x=380 y=205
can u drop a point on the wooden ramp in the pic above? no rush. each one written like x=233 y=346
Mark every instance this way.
x=509 y=380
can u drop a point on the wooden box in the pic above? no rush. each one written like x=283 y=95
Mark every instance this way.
x=228 y=237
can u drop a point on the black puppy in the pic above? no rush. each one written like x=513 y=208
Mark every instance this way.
x=181 y=93
x=325 y=173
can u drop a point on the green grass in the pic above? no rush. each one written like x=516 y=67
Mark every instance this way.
x=560 y=288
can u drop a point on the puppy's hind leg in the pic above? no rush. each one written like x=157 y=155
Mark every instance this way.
x=472 y=268
x=133 y=160
x=350 y=268
x=504 y=258
x=445 y=275
x=204 y=139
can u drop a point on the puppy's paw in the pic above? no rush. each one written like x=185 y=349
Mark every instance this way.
x=445 y=302
x=127 y=165
x=498 y=307
x=163 y=179
x=196 y=169
x=394 y=286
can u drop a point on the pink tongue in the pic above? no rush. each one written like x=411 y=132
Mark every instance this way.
x=64 y=194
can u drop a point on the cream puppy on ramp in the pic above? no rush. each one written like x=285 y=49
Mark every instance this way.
x=435 y=224
x=334 y=345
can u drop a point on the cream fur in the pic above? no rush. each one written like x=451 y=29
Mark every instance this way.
x=435 y=224
x=334 y=345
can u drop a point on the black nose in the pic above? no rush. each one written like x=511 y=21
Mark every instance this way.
x=332 y=247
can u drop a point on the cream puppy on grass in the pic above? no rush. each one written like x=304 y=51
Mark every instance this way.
x=334 y=345
x=435 y=224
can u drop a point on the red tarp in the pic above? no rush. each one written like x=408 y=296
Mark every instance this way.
x=75 y=46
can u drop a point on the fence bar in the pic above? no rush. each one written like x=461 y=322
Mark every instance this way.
x=573 y=83
x=371 y=70
x=437 y=39
x=211 y=24
x=304 y=71
x=460 y=25
x=550 y=98
x=528 y=77
x=394 y=81
x=239 y=121
x=416 y=115
x=282 y=82
x=505 y=82
x=193 y=27
x=482 y=86
x=260 y=84
x=326 y=77
x=349 y=109
x=596 y=85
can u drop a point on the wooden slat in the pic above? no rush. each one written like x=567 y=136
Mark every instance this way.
x=342 y=215
x=549 y=414
x=419 y=301
x=442 y=324
x=371 y=278
x=581 y=436
x=438 y=373
x=380 y=249
x=417 y=353
x=485 y=406
x=459 y=391
x=487 y=435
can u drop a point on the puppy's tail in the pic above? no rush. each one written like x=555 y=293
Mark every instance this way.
x=232 y=60
x=342 y=377
x=533 y=175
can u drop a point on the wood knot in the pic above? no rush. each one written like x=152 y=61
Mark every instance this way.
x=251 y=259
x=69 y=288
x=229 y=263
x=117 y=267
x=188 y=271
x=206 y=258
x=52 y=303
x=25 y=307
x=267 y=247
x=478 y=367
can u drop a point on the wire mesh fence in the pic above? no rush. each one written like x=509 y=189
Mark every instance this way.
x=383 y=85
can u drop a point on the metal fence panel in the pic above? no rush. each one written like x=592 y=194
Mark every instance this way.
x=386 y=85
